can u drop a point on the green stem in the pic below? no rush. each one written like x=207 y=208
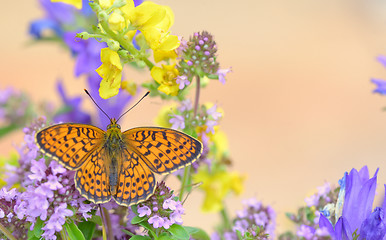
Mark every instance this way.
x=225 y=219
x=110 y=233
x=63 y=234
x=103 y=223
x=184 y=181
x=6 y=233
x=187 y=175
x=125 y=44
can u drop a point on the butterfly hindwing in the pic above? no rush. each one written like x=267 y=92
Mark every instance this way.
x=136 y=182
x=91 y=178
x=163 y=150
x=69 y=143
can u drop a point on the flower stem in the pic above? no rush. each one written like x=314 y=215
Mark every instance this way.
x=225 y=219
x=106 y=224
x=187 y=174
x=110 y=234
x=125 y=44
x=184 y=181
x=6 y=233
x=196 y=100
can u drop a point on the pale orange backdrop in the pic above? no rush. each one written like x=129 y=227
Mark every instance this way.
x=299 y=108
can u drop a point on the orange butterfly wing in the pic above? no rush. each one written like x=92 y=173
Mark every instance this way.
x=163 y=150
x=69 y=143
x=91 y=179
x=136 y=183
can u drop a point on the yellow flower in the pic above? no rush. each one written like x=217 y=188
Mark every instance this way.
x=163 y=116
x=130 y=87
x=160 y=55
x=111 y=72
x=217 y=185
x=220 y=140
x=75 y=3
x=166 y=77
x=154 y=21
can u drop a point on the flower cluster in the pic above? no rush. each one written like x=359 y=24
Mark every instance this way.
x=346 y=214
x=8 y=216
x=49 y=194
x=162 y=209
x=255 y=221
x=198 y=58
x=15 y=107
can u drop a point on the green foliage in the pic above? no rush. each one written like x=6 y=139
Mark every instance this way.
x=73 y=231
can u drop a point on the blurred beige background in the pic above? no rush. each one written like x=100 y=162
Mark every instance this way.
x=299 y=108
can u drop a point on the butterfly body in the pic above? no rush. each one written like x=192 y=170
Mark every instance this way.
x=115 y=164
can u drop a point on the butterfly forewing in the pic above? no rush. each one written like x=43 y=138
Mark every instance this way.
x=69 y=143
x=91 y=179
x=136 y=182
x=163 y=150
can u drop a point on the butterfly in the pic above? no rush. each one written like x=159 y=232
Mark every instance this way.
x=115 y=164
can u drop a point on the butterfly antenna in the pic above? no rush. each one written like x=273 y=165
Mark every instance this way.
x=134 y=105
x=97 y=104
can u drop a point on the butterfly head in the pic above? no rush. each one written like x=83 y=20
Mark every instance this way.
x=113 y=124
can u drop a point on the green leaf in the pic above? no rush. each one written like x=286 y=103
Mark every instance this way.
x=164 y=236
x=197 y=233
x=87 y=228
x=134 y=209
x=96 y=219
x=139 y=237
x=137 y=220
x=147 y=226
x=31 y=236
x=38 y=228
x=73 y=231
x=178 y=232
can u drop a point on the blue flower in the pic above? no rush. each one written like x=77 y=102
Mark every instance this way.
x=87 y=53
x=73 y=113
x=373 y=227
x=359 y=192
x=381 y=86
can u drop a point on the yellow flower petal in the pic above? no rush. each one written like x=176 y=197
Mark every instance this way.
x=75 y=3
x=111 y=73
x=166 y=77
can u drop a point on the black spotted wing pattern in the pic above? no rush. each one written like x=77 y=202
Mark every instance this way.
x=163 y=150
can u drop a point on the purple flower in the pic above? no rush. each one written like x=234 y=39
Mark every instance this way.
x=73 y=112
x=170 y=204
x=177 y=121
x=114 y=106
x=359 y=191
x=182 y=81
x=306 y=231
x=186 y=105
x=156 y=221
x=382 y=59
x=373 y=227
x=359 y=197
x=213 y=113
x=87 y=53
x=381 y=86
x=222 y=73
x=38 y=169
x=144 y=210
